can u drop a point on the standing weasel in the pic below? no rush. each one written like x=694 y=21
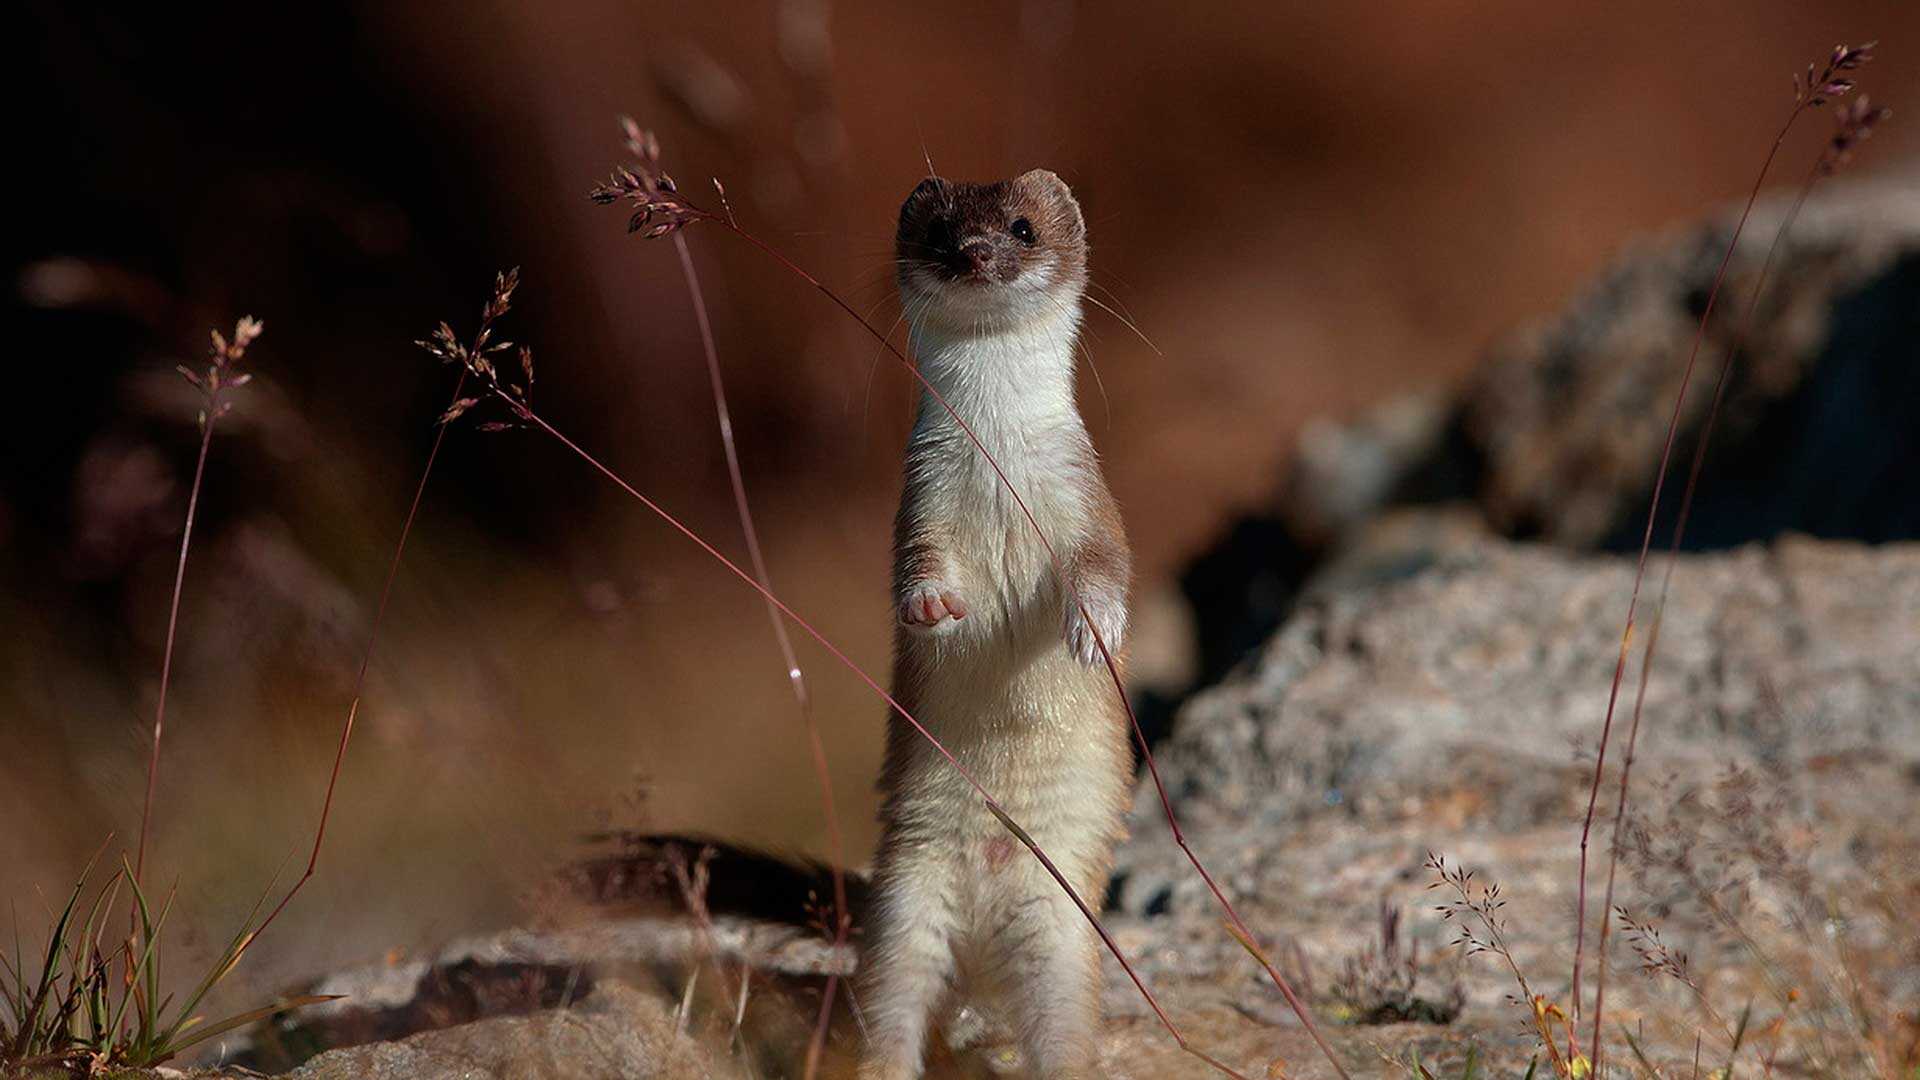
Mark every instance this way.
x=991 y=653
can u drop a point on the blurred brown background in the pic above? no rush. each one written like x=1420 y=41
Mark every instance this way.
x=1305 y=206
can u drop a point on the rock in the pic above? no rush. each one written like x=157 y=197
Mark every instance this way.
x=520 y=971
x=1558 y=436
x=617 y=1031
x=1821 y=410
x=1776 y=777
x=1474 y=679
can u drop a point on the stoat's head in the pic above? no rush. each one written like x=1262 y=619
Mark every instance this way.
x=972 y=255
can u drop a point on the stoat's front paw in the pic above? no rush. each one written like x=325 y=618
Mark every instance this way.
x=931 y=606
x=1109 y=611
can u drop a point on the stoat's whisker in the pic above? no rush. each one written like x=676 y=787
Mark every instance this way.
x=1126 y=322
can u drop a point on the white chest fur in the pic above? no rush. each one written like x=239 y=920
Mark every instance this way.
x=1014 y=389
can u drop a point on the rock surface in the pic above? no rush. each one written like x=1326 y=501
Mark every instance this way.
x=617 y=1032
x=1484 y=670
x=1558 y=436
x=1455 y=710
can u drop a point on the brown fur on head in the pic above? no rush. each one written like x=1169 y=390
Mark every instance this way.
x=1009 y=248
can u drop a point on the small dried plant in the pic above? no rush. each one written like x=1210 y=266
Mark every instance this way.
x=215 y=383
x=659 y=208
x=71 y=1008
x=1727 y=862
x=476 y=359
x=86 y=1006
x=1480 y=928
x=1380 y=984
x=690 y=878
x=1853 y=124
x=1813 y=90
x=1655 y=955
x=221 y=374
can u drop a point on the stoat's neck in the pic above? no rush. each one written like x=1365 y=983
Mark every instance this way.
x=1004 y=379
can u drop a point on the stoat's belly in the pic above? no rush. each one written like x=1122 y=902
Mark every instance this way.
x=1048 y=741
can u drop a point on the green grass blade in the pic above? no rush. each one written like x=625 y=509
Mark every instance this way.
x=25 y=1038
x=1639 y=1054
x=18 y=968
x=236 y=948
x=241 y=1020
x=143 y=1037
x=1739 y=1036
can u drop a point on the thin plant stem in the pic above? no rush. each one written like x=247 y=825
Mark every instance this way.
x=796 y=677
x=1741 y=334
x=166 y=657
x=366 y=661
x=1646 y=544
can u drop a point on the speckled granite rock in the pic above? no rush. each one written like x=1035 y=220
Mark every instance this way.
x=1475 y=679
x=1453 y=709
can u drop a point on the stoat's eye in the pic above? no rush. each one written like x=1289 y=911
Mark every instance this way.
x=1022 y=231
x=939 y=234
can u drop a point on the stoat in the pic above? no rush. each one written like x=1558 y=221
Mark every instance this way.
x=990 y=651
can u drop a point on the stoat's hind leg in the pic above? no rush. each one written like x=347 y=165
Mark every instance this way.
x=907 y=963
x=969 y=1019
x=1054 y=995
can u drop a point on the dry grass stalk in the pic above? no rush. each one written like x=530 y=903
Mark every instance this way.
x=1726 y=859
x=1380 y=983
x=1479 y=927
x=1812 y=91
x=841 y=917
x=214 y=383
x=1854 y=123
x=497 y=305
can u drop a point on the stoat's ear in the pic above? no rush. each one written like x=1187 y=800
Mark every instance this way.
x=921 y=201
x=1045 y=180
x=1053 y=200
x=932 y=189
